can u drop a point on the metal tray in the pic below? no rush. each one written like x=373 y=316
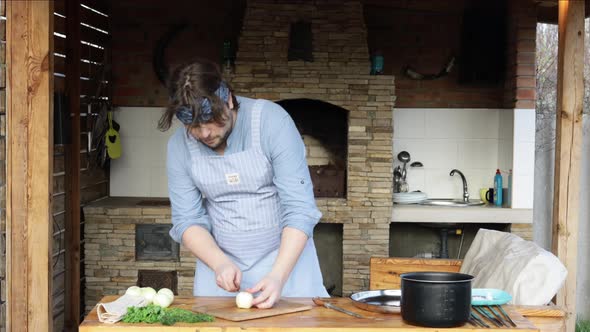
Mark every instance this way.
x=384 y=301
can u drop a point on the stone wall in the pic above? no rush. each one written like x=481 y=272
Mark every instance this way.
x=338 y=74
x=110 y=265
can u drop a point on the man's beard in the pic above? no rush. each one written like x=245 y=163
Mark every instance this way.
x=223 y=139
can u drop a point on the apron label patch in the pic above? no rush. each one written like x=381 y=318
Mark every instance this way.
x=232 y=178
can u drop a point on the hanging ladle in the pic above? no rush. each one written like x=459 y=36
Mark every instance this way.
x=404 y=157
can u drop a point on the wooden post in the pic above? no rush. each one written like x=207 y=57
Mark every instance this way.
x=29 y=116
x=72 y=169
x=568 y=148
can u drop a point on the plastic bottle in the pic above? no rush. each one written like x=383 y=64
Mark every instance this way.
x=508 y=197
x=498 y=188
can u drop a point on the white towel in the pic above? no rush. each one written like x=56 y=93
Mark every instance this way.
x=112 y=312
x=505 y=261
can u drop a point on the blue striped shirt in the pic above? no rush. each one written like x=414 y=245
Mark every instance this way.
x=281 y=144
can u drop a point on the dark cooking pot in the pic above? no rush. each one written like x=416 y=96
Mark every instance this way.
x=436 y=299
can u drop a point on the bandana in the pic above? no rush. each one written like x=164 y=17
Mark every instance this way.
x=185 y=113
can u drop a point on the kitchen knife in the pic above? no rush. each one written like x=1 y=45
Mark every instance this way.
x=328 y=305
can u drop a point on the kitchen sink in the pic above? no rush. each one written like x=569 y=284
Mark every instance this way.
x=453 y=202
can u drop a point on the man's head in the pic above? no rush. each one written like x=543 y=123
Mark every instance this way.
x=202 y=101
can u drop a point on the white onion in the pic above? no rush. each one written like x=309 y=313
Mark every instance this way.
x=167 y=291
x=162 y=300
x=244 y=300
x=148 y=293
x=134 y=291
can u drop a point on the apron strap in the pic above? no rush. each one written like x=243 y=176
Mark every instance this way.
x=256 y=111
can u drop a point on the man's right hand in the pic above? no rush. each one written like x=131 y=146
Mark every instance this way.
x=228 y=276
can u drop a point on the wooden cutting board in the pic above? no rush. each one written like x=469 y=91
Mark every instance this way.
x=226 y=309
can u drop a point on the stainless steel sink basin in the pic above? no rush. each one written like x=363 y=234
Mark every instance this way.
x=451 y=202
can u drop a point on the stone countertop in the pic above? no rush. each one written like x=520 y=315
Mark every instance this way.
x=474 y=214
x=127 y=204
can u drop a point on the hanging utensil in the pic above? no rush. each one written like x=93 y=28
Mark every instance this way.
x=404 y=157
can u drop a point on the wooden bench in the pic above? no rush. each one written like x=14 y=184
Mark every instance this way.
x=384 y=273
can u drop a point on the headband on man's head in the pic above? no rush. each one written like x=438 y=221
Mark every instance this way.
x=185 y=113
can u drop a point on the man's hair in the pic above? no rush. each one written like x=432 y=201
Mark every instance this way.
x=188 y=85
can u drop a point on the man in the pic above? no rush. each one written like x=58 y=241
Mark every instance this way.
x=242 y=198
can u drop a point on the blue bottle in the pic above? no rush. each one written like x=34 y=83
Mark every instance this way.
x=498 y=188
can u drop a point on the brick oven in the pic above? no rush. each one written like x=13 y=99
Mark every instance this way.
x=345 y=118
x=336 y=83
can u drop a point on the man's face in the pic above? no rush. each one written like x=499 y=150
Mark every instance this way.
x=214 y=134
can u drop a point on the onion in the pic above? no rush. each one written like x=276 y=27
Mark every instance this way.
x=134 y=291
x=148 y=293
x=167 y=291
x=162 y=300
x=244 y=300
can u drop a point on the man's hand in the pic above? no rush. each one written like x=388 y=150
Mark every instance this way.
x=228 y=276
x=270 y=288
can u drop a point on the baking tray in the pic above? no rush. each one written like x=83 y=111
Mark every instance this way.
x=384 y=301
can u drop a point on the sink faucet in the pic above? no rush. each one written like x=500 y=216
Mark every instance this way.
x=465 y=191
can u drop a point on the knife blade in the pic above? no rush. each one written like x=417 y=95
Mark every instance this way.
x=328 y=305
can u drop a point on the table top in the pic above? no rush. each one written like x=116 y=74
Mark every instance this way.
x=316 y=319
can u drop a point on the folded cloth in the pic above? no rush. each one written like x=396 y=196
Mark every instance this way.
x=505 y=261
x=112 y=312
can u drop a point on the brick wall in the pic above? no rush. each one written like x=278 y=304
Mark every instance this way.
x=421 y=34
x=521 y=73
x=136 y=29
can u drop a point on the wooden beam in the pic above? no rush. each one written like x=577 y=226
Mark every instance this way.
x=29 y=116
x=568 y=148
x=72 y=168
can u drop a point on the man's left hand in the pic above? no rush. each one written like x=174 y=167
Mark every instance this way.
x=270 y=288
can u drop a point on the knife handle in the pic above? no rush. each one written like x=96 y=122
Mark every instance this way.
x=319 y=301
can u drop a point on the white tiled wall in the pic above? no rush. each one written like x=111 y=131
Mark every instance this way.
x=141 y=169
x=524 y=158
x=475 y=141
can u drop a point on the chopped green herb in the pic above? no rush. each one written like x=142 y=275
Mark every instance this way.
x=167 y=316
x=173 y=315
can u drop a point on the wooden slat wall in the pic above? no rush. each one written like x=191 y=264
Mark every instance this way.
x=92 y=181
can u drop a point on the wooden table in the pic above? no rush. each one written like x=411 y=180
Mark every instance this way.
x=321 y=319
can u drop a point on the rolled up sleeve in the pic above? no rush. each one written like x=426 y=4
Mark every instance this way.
x=185 y=198
x=284 y=146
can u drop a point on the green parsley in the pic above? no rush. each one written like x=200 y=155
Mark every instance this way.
x=167 y=316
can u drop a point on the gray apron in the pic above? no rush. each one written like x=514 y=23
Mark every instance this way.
x=243 y=205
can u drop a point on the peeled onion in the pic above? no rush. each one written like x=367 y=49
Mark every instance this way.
x=162 y=300
x=148 y=293
x=166 y=291
x=244 y=300
x=134 y=291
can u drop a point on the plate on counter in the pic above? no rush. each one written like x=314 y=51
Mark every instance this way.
x=384 y=301
x=489 y=296
x=413 y=197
